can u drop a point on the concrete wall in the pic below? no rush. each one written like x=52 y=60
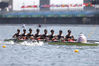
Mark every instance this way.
x=5 y=0
x=51 y=20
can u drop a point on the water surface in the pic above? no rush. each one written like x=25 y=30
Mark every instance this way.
x=50 y=55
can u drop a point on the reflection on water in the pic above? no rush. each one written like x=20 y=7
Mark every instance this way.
x=50 y=55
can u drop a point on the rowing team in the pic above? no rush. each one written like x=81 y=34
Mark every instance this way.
x=44 y=36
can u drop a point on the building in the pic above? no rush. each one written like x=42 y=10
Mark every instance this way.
x=95 y=4
x=50 y=5
x=23 y=12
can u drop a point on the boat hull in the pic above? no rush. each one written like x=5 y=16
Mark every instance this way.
x=55 y=42
x=73 y=43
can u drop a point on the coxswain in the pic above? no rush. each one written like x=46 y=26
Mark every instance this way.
x=37 y=35
x=51 y=37
x=60 y=36
x=23 y=36
x=17 y=35
x=69 y=37
x=44 y=36
x=82 y=38
x=30 y=35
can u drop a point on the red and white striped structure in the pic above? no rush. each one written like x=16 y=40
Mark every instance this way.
x=19 y=5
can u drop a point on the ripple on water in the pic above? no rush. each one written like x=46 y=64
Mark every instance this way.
x=49 y=55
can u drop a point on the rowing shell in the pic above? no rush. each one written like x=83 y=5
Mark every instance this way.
x=73 y=43
x=54 y=42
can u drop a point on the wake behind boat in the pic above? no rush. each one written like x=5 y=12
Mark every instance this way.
x=23 y=42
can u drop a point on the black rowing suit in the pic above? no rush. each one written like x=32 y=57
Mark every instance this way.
x=51 y=37
x=59 y=37
x=37 y=35
x=16 y=35
x=23 y=35
x=69 y=36
x=29 y=35
x=44 y=36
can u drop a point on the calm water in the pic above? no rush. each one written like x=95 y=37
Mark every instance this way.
x=49 y=55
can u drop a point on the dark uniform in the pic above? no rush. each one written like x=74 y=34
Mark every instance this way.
x=17 y=35
x=69 y=36
x=60 y=35
x=44 y=36
x=52 y=35
x=23 y=36
x=29 y=35
x=37 y=34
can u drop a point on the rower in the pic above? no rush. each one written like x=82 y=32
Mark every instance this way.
x=69 y=37
x=17 y=35
x=60 y=36
x=30 y=35
x=37 y=35
x=23 y=36
x=51 y=37
x=44 y=36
